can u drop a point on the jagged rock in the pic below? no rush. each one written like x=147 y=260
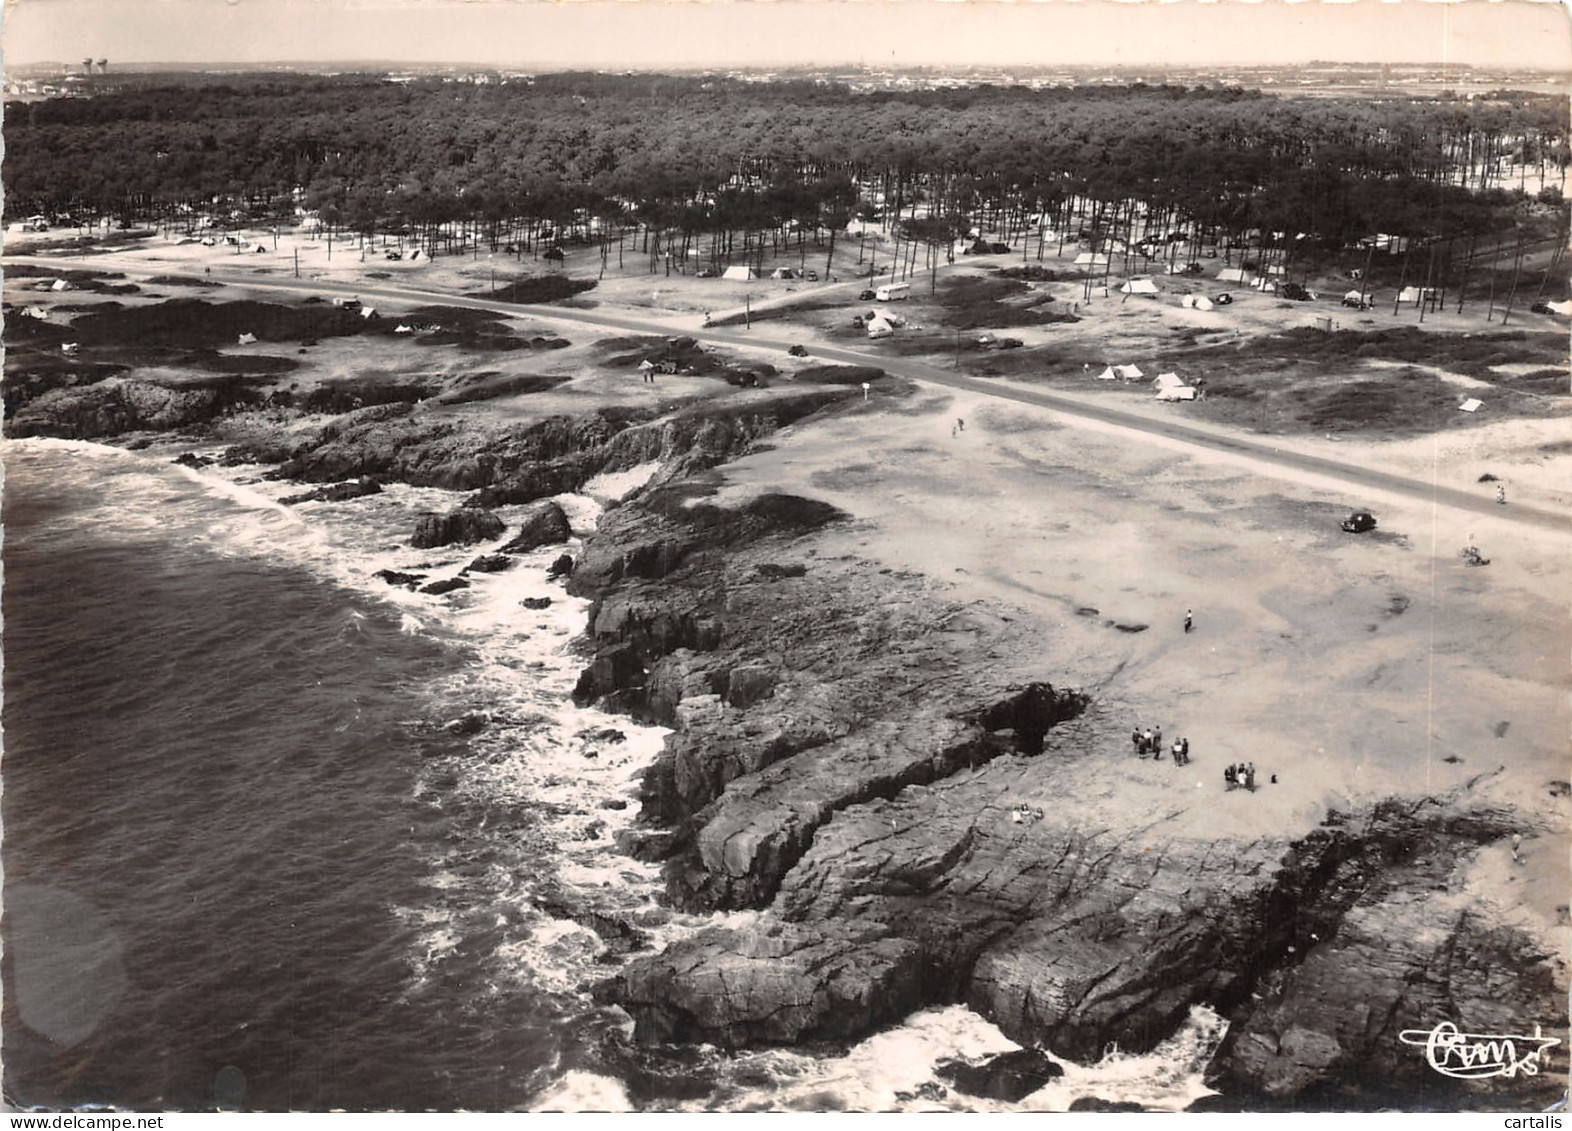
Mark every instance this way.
x=750 y=684
x=471 y=723
x=446 y=585
x=490 y=563
x=1097 y=1103
x=612 y=669
x=543 y=525
x=536 y=602
x=1010 y=1076
x=461 y=526
x=339 y=492
x=778 y=985
x=394 y=577
x=192 y=460
x=562 y=566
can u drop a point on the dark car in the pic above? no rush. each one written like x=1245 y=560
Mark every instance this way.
x=798 y=351
x=1359 y=522
x=811 y=275
x=866 y=296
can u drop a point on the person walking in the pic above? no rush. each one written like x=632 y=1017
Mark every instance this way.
x=1135 y=741
x=1157 y=743
x=1189 y=620
x=1146 y=740
x=1250 y=777
x=1184 y=750
x=1501 y=492
x=1228 y=776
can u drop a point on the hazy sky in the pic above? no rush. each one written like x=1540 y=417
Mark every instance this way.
x=656 y=33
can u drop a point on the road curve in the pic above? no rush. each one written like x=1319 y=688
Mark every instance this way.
x=1355 y=476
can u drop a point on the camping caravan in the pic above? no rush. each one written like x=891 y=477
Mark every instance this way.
x=739 y=274
x=1140 y=286
x=892 y=292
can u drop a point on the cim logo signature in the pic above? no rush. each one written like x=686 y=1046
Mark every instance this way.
x=1478 y=1056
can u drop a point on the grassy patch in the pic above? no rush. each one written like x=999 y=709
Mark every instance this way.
x=490 y=386
x=999 y=303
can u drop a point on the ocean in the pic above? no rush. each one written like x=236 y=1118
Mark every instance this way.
x=280 y=835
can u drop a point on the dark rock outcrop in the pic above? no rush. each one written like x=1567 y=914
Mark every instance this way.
x=395 y=577
x=490 y=563
x=446 y=585
x=561 y=566
x=1010 y=1076
x=544 y=524
x=461 y=526
x=339 y=492
x=536 y=602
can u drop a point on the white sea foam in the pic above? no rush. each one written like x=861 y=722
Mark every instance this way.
x=584 y=1091
x=897 y=1070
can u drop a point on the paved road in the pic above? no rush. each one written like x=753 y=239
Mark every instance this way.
x=1264 y=453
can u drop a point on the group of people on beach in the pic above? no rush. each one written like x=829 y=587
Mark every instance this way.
x=1150 y=741
x=1242 y=774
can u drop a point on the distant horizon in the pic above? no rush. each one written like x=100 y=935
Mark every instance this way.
x=656 y=35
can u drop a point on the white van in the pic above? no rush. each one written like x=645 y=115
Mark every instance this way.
x=892 y=291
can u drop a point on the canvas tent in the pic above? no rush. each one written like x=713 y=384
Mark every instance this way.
x=1233 y=275
x=1471 y=405
x=1415 y=295
x=248 y=339
x=1121 y=373
x=878 y=328
x=739 y=274
x=1090 y=259
x=1140 y=287
x=1167 y=381
x=1176 y=393
x=1265 y=286
x=1562 y=308
x=1196 y=302
x=783 y=273
x=60 y=285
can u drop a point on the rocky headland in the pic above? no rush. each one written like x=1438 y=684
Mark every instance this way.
x=895 y=781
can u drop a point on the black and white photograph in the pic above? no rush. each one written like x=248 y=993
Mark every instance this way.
x=982 y=556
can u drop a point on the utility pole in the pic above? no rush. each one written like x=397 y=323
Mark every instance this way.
x=297 y=263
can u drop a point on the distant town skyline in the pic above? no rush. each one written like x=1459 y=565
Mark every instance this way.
x=649 y=34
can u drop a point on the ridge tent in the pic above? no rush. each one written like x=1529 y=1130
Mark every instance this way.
x=1140 y=287
x=1176 y=393
x=1471 y=405
x=60 y=285
x=783 y=273
x=1090 y=259
x=739 y=274
x=1562 y=308
x=1233 y=275
x=1196 y=302
x=1168 y=381
x=1416 y=295
x=1107 y=374
x=248 y=339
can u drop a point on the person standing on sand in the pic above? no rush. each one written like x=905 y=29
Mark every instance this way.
x=1189 y=620
x=1157 y=743
x=1228 y=777
x=1250 y=777
x=960 y=424
x=1184 y=748
x=1146 y=740
x=1135 y=741
x=1501 y=492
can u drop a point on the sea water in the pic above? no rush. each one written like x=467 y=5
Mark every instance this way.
x=281 y=835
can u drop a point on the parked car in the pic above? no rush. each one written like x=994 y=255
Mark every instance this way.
x=865 y=296
x=811 y=275
x=1359 y=522
x=798 y=351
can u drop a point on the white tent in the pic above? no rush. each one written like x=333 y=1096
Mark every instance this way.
x=1122 y=372
x=1471 y=405
x=247 y=339
x=403 y=329
x=879 y=328
x=1277 y=269
x=1090 y=259
x=1196 y=302
x=1409 y=294
x=783 y=273
x=37 y=312
x=368 y=312
x=1168 y=381
x=1176 y=393
x=1107 y=374
x=1562 y=308
x=67 y=347
x=1140 y=287
x=1233 y=275
x=60 y=285
x=739 y=274
x=1265 y=286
